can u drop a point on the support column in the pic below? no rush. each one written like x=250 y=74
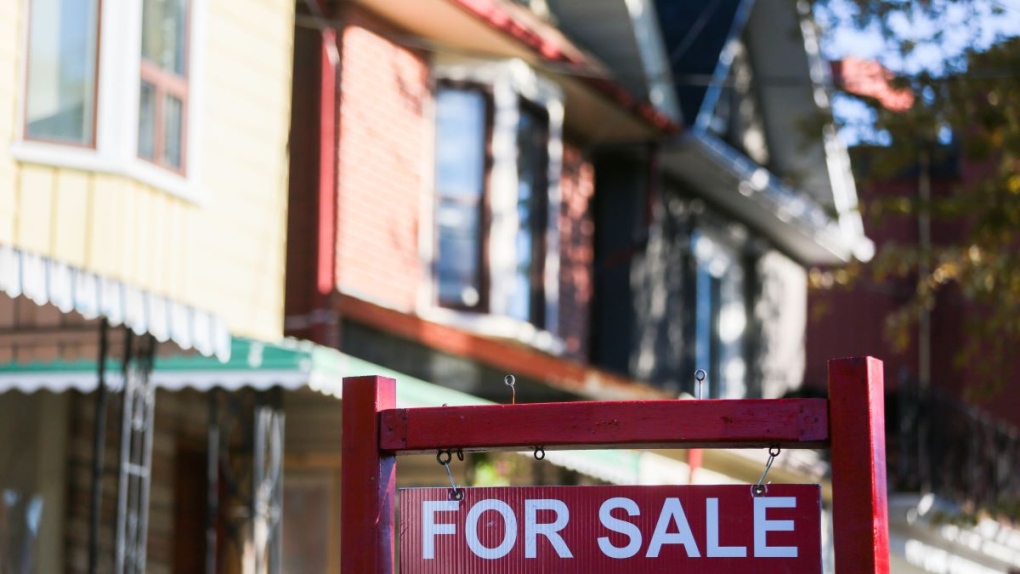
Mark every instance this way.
x=860 y=510
x=368 y=479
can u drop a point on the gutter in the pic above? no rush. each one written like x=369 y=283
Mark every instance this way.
x=784 y=206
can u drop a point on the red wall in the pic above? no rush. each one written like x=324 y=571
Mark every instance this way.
x=849 y=321
x=384 y=95
x=577 y=230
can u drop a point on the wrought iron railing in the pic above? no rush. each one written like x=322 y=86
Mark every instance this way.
x=939 y=444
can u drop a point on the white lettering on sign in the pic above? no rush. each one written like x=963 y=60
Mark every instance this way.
x=712 y=534
x=532 y=528
x=762 y=526
x=631 y=531
x=430 y=528
x=509 y=529
x=672 y=512
x=671 y=528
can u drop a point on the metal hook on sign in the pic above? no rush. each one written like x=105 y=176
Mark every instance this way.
x=509 y=381
x=539 y=452
x=700 y=375
x=762 y=487
x=444 y=457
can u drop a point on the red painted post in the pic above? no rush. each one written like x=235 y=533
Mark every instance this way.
x=368 y=479
x=860 y=512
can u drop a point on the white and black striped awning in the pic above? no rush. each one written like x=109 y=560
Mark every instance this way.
x=68 y=288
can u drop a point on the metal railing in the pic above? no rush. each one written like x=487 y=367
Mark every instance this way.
x=936 y=443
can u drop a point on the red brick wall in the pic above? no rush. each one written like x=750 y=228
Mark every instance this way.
x=384 y=92
x=576 y=251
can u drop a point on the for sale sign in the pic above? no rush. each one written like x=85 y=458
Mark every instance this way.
x=647 y=529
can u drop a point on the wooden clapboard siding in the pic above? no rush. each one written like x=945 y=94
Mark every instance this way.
x=225 y=251
x=72 y=191
x=10 y=50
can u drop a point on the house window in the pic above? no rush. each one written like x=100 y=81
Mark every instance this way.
x=461 y=143
x=720 y=313
x=163 y=97
x=495 y=241
x=63 y=46
x=527 y=298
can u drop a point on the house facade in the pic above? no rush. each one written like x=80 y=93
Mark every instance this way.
x=489 y=187
x=143 y=196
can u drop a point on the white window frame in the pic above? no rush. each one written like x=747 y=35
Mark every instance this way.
x=119 y=78
x=510 y=81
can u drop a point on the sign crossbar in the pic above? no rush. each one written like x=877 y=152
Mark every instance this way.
x=787 y=423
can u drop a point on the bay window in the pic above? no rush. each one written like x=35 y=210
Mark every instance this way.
x=119 y=102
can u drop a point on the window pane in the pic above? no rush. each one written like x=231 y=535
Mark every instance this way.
x=60 y=102
x=460 y=142
x=460 y=185
x=147 y=121
x=526 y=301
x=458 y=264
x=164 y=33
x=172 y=131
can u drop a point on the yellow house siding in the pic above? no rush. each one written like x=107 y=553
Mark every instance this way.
x=35 y=208
x=10 y=27
x=223 y=252
x=72 y=193
x=109 y=204
x=248 y=63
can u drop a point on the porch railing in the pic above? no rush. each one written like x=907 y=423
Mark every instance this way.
x=938 y=444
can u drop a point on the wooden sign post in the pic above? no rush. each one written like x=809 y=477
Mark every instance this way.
x=850 y=423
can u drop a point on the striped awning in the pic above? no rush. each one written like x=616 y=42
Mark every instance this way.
x=68 y=288
x=295 y=365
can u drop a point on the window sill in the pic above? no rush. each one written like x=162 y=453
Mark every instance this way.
x=87 y=159
x=497 y=327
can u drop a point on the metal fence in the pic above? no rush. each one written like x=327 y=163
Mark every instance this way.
x=938 y=444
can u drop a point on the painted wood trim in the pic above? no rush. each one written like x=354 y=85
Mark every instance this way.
x=511 y=357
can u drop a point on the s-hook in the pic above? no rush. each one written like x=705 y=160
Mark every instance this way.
x=763 y=487
x=444 y=457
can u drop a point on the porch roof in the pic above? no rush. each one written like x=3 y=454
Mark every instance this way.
x=294 y=365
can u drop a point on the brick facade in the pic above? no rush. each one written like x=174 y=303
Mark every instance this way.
x=577 y=231
x=384 y=131
x=385 y=168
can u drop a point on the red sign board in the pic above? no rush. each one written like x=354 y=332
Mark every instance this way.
x=594 y=529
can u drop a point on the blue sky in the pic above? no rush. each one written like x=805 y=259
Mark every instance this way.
x=959 y=32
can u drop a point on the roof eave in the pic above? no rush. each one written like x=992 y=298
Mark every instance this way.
x=790 y=220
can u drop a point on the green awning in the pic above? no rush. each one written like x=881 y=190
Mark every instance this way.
x=294 y=365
